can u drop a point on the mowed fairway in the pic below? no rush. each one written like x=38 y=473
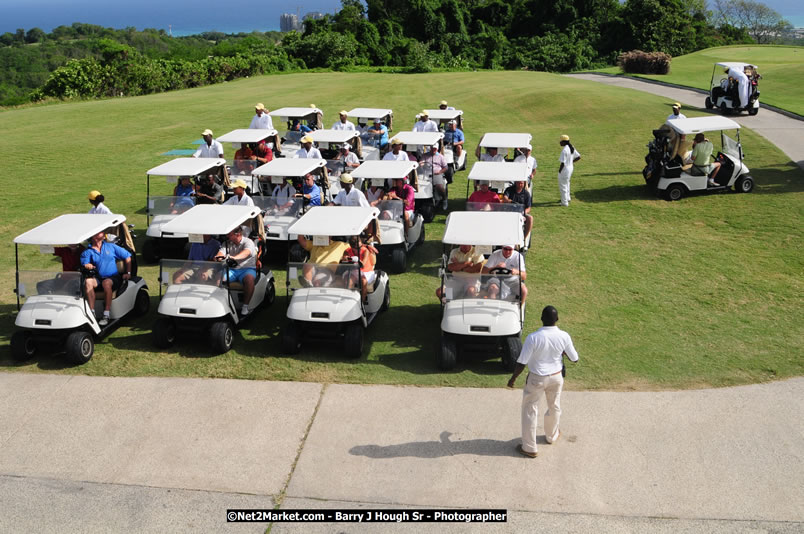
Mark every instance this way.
x=781 y=67
x=705 y=291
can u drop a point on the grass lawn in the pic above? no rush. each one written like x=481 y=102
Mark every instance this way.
x=781 y=67
x=705 y=291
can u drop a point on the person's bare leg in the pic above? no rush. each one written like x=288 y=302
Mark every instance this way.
x=248 y=288
x=307 y=272
x=89 y=286
x=107 y=294
x=524 y=291
x=528 y=223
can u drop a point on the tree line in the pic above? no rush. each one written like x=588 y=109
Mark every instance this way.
x=87 y=61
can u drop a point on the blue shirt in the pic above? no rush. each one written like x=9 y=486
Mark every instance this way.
x=383 y=135
x=204 y=251
x=451 y=137
x=105 y=260
x=315 y=194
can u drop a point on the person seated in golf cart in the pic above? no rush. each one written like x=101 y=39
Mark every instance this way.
x=453 y=137
x=396 y=153
x=483 y=194
x=245 y=159
x=349 y=195
x=243 y=252
x=308 y=150
x=240 y=198
x=329 y=254
x=367 y=255
x=381 y=131
x=702 y=149
x=518 y=194
x=465 y=259
x=101 y=257
x=508 y=284
x=283 y=195
x=491 y=155
x=263 y=153
x=530 y=160
x=405 y=193
x=375 y=193
x=209 y=190
x=205 y=251
x=347 y=157
x=184 y=193
x=311 y=193
x=439 y=166
x=342 y=123
x=424 y=123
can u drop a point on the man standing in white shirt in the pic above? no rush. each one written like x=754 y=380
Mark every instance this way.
x=240 y=198
x=261 y=121
x=210 y=148
x=348 y=195
x=396 y=153
x=425 y=124
x=343 y=124
x=308 y=150
x=676 y=114
x=543 y=354
x=530 y=160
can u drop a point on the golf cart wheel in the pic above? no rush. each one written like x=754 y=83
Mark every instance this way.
x=164 y=333
x=744 y=184
x=674 y=192
x=353 y=340
x=708 y=103
x=23 y=346
x=511 y=346
x=149 y=253
x=143 y=302
x=297 y=253
x=753 y=111
x=291 y=339
x=222 y=336
x=399 y=259
x=724 y=109
x=270 y=293
x=428 y=211
x=79 y=347
x=447 y=353
x=386 y=299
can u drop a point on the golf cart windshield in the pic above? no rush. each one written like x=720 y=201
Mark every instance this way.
x=730 y=146
x=324 y=275
x=499 y=206
x=277 y=207
x=242 y=166
x=496 y=286
x=32 y=283
x=208 y=273
x=369 y=139
x=294 y=137
x=390 y=210
x=169 y=205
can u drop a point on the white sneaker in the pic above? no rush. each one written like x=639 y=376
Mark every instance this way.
x=244 y=310
x=104 y=320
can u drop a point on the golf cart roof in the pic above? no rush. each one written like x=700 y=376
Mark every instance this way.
x=499 y=171
x=734 y=64
x=293 y=113
x=211 y=219
x=289 y=167
x=383 y=169
x=69 y=229
x=333 y=136
x=702 y=124
x=246 y=135
x=186 y=167
x=334 y=220
x=505 y=140
x=418 y=138
x=370 y=113
x=484 y=228
x=443 y=114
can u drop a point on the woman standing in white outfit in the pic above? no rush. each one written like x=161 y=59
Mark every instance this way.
x=567 y=160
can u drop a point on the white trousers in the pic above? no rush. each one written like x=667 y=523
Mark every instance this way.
x=551 y=386
x=564 y=186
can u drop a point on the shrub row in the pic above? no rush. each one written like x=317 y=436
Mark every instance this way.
x=639 y=62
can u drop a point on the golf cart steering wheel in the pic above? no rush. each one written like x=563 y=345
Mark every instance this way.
x=87 y=273
x=231 y=263
x=499 y=270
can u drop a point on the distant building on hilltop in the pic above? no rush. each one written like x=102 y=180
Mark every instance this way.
x=289 y=22
x=313 y=15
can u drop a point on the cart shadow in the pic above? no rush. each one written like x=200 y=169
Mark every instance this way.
x=440 y=448
x=616 y=193
x=788 y=178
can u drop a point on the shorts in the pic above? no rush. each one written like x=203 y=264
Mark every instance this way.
x=508 y=287
x=438 y=179
x=409 y=214
x=117 y=281
x=701 y=170
x=370 y=276
x=237 y=275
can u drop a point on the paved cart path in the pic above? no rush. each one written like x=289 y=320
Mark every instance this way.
x=782 y=130
x=98 y=454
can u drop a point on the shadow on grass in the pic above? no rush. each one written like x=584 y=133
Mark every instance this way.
x=787 y=179
x=441 y=448
x=616 y=193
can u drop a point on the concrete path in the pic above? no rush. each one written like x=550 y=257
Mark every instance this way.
x=785 y=132
x=171 y=455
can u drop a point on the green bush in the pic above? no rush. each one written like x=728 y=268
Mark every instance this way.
x=639 y=62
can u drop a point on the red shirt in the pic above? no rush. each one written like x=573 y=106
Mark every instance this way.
x=70 y=260
x=489 y=196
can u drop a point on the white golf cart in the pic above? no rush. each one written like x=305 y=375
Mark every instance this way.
x=329 y=143
x=324 y=300
x=724 y=92
x=291 y=138
x=443 y=116
x=55 y=310
x=247 y=136
x=500 y=175
x=417 y=145
x=162 y=209
x=507 y=144
x=199 y=296
x=673 y=178
x=481 y=313
x=278 y=216
x=365 y=121
x=395 y=244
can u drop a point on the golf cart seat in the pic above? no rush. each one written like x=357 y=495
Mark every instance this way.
x=373 y=287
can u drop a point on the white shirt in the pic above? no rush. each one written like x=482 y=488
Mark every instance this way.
x=673 y=116
x=100 y=209
x=261 y=122
x=542 y=350
x=568 y=159
x=245 y=200
x=487 y=157
x=355 y=197
x=425 y=126
x=390 y=156
x=213 y=150
x=530 y=160
x=351 y=157
x=314 y=153
x=234 y=250
x=282 y=193
x=371 y=196
x=348 y=125
x=514 y=261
